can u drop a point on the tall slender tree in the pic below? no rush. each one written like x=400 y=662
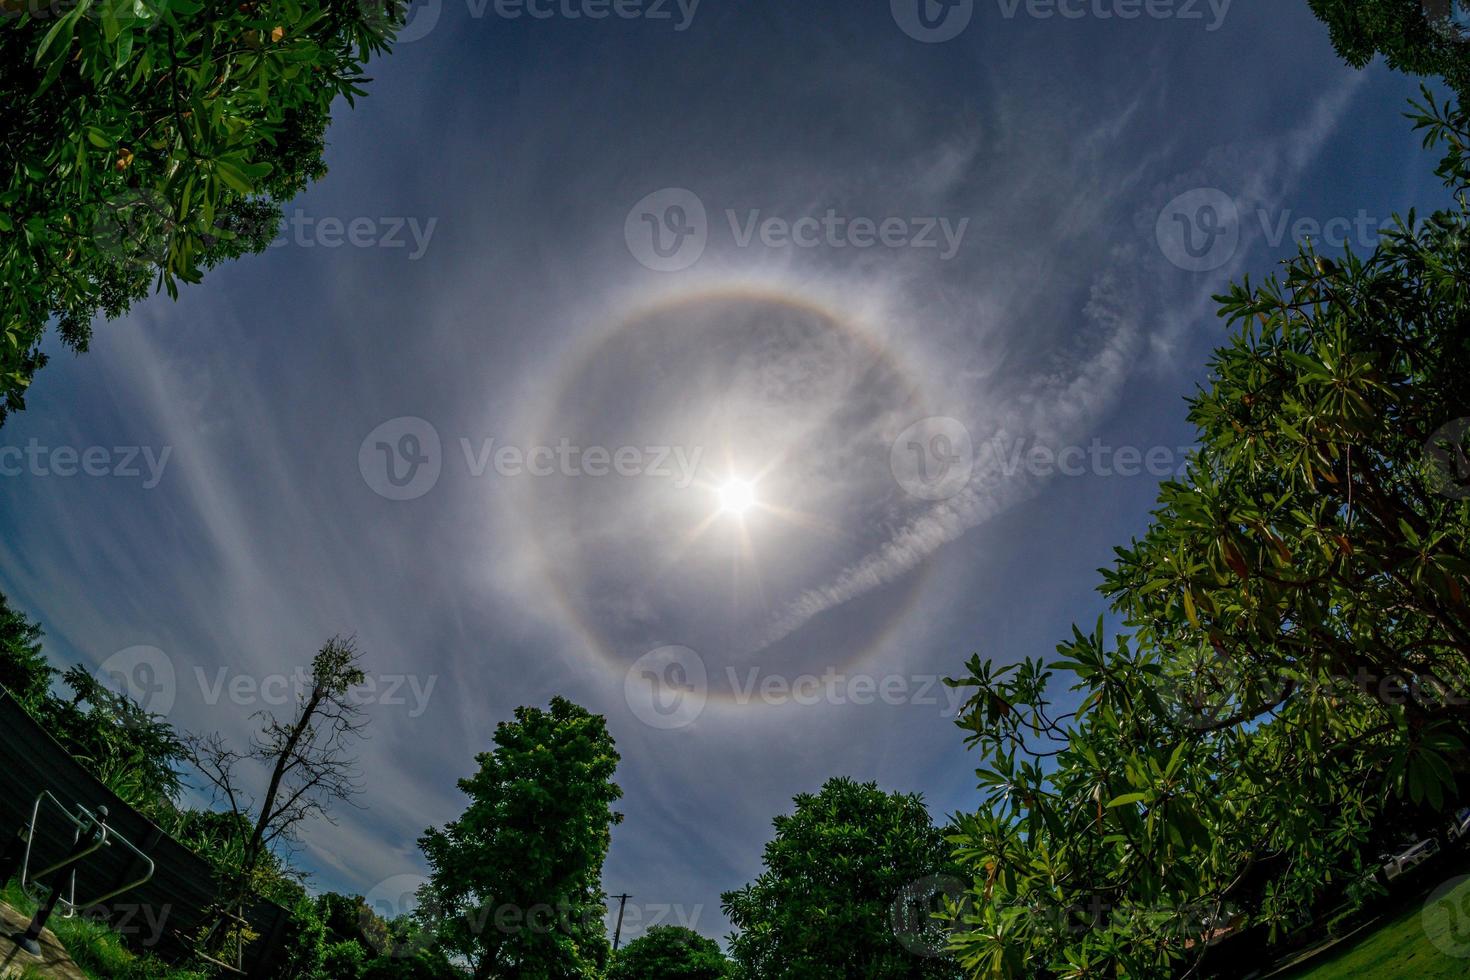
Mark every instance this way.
x=309 y=766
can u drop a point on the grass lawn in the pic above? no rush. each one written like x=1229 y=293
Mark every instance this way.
x=1427 y=941
x=97 y=949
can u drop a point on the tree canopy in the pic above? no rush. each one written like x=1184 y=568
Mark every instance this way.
x=1421 y=37
x=1295 y=661
x=144 y=142
x=670 y=953
x=516 y=880
x=823 y=906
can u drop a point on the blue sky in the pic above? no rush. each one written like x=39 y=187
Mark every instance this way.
x=868 y=242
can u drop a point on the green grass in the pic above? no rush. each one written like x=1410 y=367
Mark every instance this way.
x=97 y=949
x=1429 y=940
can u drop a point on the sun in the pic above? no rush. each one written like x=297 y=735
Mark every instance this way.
x=736 y=497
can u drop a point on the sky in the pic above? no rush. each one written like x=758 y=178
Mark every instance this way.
x=734 y=369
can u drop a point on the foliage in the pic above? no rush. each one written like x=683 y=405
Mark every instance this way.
x=135 y=754
x=308 y=758
x=307 y=951
x=516 y=880
x=670 y=953
x=147 y=140
x=349 y=917
x=1296 y=665
x=834 y=872
x=1426 y=942
x=345 y=960
x=23 y=667
x=1421 y=37
x=95 y=947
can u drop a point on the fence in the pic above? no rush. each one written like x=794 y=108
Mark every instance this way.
x=172 y=903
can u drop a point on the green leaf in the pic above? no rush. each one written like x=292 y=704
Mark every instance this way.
x=1127 y=799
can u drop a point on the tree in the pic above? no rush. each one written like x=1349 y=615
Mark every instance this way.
x=135 y=753
x=345 y=960
x=1293 y=685
x=670 y=953
x=309 y=761
x=24 y=671
x=516 y=881
x=146 y=141
x=349 y=917
x=834 y=873
x=1421 y=37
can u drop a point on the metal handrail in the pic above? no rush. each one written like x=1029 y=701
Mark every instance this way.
x=86 y=820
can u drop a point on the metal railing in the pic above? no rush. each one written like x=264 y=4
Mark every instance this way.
x=91 y=834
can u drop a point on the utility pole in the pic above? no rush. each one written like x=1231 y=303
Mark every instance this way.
x=618 y=932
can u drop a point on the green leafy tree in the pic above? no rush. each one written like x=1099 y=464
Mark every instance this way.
x=136 y=754
x=1421 y=37
x=516 y=880
x=345 y=960
x=350 y=917
x=24 y=671
x=1293 y=683
x=670 y=953
x=144 y=141
x=307 y=953
x=834 y=874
